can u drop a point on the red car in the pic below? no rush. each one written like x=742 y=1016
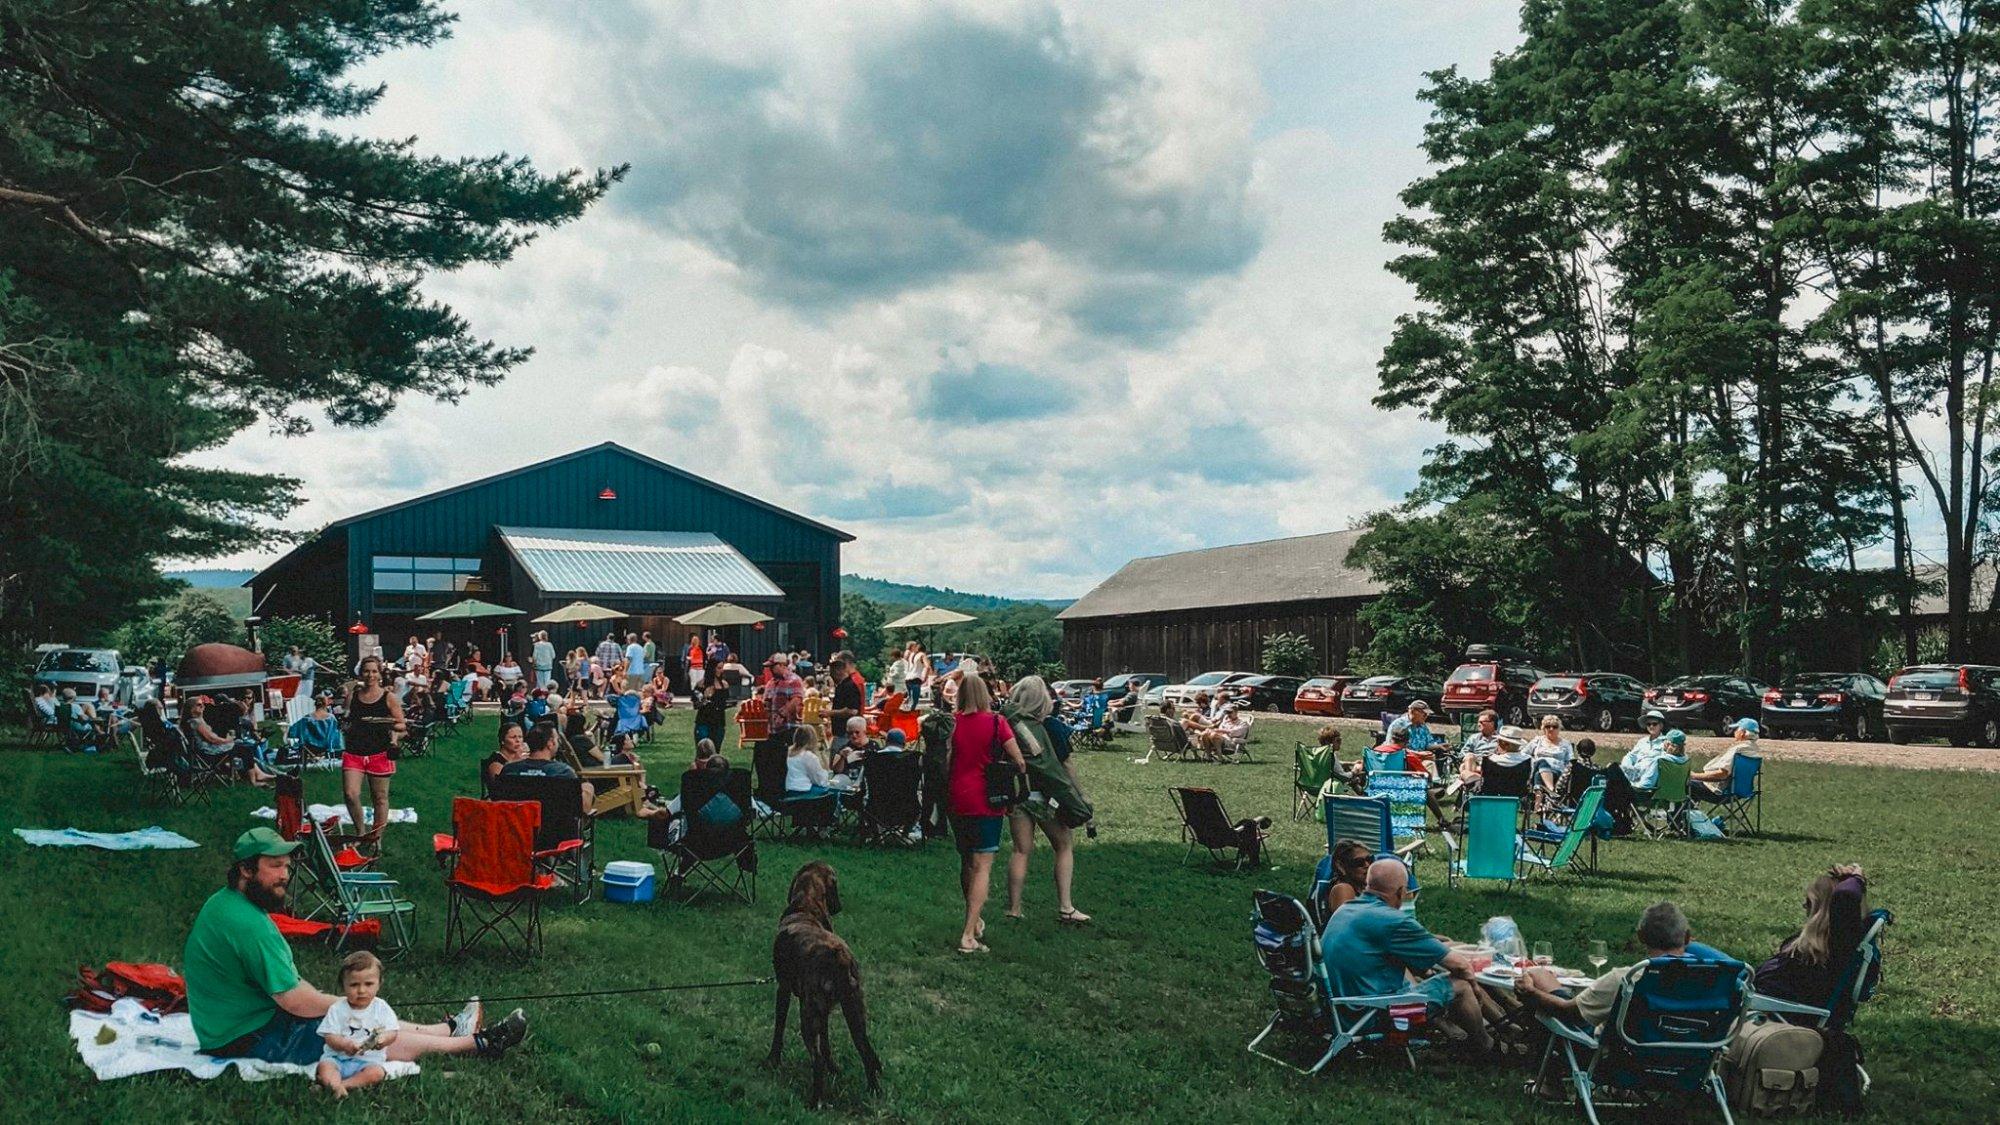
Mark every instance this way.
x=1321 y=695
x=1502 y=685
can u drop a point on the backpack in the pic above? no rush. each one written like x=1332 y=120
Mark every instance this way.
x=158 y=987
x=1771 y=1068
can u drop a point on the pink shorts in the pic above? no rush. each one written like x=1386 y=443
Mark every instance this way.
x=374 y=765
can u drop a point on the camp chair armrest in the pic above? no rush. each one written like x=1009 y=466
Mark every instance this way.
x=1582 y=1037
x=560 y=849
x=1758 y=1002
x=366 y=879
x=1393 y=1000
x=442 y=843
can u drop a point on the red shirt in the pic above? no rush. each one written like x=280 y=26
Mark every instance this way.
x=974 y=744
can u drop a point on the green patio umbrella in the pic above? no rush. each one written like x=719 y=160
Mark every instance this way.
x=721 y=614
x=468 y=610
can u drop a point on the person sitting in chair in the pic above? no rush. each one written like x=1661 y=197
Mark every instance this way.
x=1663 y=931
x=1508 y=750
x=45 y=705
x=1372 y=948
x=1416 y=723
x=854 y=749
x=205 y=741
x=541 y=762
x=246 y=999
x=317 y=736
x=1711 y=782
x=1808 y=965
x=1125 y=707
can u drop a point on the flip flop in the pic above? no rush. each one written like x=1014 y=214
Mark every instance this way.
x=975 y=947
x=1072 y=918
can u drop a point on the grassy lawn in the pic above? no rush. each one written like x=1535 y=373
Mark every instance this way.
x=1145 y=1013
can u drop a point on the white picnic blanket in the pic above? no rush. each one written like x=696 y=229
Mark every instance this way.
x=144 y=839
x=142 y=1043
x=320 y=814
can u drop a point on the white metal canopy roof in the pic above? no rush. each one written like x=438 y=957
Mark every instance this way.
x=672 y=564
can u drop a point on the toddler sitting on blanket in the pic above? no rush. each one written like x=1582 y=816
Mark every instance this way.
x=357 y=1028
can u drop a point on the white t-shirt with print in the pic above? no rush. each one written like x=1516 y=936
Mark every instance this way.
x=343 y=1020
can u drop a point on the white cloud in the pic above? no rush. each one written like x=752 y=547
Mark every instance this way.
x=1014 y=292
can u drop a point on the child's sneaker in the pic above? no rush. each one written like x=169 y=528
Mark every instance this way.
x=468 y=1019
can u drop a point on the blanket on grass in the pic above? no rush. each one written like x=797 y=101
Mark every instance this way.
x=320 y=814
x=140 y=1043
x=143 y=839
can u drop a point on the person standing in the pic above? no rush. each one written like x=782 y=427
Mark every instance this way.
x=543 y=655
x=635 y=660
x=1030 y=711
x=374 y=724
x=978 y=738
x=697 y=662
x=847 y=690
x=649 y=650
x=784 y=695
x=608 y=652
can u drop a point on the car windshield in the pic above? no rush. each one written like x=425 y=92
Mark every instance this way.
x=1693 y=681
x=1469 y=673
x=1930 y=679
x=1375 y=681
x=1207 y=678
x=78 y=660
x=1557 y=681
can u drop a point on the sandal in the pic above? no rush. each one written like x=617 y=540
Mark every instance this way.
x=1011 y=914
x=975 y=947
x=1072 y=917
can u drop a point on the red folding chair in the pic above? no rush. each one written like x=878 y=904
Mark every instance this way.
x=493 y=887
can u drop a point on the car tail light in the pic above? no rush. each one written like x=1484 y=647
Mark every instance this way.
x=1832 y=697
x=1381 y=693
x=1583 y=687
x=1773 y=695
x=1694 y=697
x=1652 y=694
x=1964 y=681
x=1894 y=676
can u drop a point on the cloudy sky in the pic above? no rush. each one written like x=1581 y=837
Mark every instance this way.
x=1012 y=291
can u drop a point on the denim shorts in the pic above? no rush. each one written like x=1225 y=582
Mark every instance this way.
x=1436 y=992
x=977 y=835
x=286 y=1039
x=348 y=1066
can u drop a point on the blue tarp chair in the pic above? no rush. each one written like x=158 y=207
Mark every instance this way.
x=1667 y=1032
x=1742 y=805
x=1287 y=946
x=454 y=700
x=628 y=720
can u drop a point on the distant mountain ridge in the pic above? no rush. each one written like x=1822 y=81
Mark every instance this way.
x=874 y=589
x=900 y=593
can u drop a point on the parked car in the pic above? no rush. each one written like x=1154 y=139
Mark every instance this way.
x=1599 y=701
x=1321 y=695
x=1269 y=693
x=1071 y=689
x=1711 y=701
x=1366 y=699
x=1958 y=701
x=1847 y=704
x=1115 y=686
x=1500 y=683
x=1183 y=694
x=87 y=669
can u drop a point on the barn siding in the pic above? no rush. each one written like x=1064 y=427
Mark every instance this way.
x=1189 y=642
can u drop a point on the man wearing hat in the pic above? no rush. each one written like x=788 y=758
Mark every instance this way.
x=785 y=694
x=1508 y=750
x=1711 y=782
x=1417 y=722
x=246 y=998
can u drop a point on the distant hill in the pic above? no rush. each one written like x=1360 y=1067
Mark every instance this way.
x=209 y=579
x=898 y=593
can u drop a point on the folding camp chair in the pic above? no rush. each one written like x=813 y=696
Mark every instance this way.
x=455 y=706
x=1856 y=983
x=349 y=894
x=77 y=733
x=40 y=730
x=1496 y=780
x=416 y=741
x=1492 y=846
x=1408 y=793
x=1365 y=820
x=1742 y=804
x=492 y=887
x=1384 y=761
x=714 y=844
x=891 y=802
x=1312 y=768
x=1666 y=1034
x=1168 y=739
x=1668 y=800
x=791 y=817
x=1142 y=714
x=1205 y=824
x=1552 y=853
x=566 y=838
x=170 y=767
x=1287 y=946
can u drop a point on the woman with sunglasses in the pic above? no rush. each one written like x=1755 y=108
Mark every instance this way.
x=374 y=724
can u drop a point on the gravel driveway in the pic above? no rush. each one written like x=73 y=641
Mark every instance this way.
x=1916 y=757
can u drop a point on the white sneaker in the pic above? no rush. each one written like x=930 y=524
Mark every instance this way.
x=468 y=1018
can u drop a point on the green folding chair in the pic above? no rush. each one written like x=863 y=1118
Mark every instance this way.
x=1669 y=798
x=1551 y=854
x=1312 y=768
x=353 y=896
x=1492 y=847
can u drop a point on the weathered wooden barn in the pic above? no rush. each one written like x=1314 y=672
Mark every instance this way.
x=1208 y=610
x=605 y=524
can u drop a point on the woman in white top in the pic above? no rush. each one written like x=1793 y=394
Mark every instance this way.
x=805 y=774
x=1551 y=752
x=508 y=671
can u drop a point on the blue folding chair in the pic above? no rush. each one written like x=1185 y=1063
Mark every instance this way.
x=1667 y=1032
x=1492 y=846
x=1287 y=945
x=1742 y=804
x=1857 y=983
x=1407 y=792
x=1368 y=821
x=1384 y=761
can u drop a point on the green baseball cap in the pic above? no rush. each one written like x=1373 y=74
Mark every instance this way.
x=263 y=841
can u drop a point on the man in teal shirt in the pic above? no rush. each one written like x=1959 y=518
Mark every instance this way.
x=245 y=996
x=1371 y=948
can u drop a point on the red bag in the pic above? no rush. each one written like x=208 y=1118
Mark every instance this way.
x=157 y=986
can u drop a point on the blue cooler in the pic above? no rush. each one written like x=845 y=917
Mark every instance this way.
x=627 y=880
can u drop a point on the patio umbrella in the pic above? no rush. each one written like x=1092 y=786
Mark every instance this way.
x=722 y=613
x=928 y=616
x=468 y=610
x=579 y=612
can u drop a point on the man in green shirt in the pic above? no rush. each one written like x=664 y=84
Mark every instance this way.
x=245 y=996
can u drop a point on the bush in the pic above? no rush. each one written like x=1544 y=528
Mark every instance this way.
x=1933 y=647
x=1052 y=670
x=190 y=618
x=1289 y=654
x=315 y=637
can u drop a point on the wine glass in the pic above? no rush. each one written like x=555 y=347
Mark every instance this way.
x=1545 y=953
x=1598 y=957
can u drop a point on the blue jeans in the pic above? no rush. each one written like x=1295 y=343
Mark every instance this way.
x=286 y=1039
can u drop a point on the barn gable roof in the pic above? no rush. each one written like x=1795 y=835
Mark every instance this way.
x=1301 y=568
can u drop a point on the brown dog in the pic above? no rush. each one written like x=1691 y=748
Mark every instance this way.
x=813 y=964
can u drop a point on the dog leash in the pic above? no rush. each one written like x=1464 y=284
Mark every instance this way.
x=592 y=992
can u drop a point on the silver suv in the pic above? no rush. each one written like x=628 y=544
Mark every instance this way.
x=87 y=669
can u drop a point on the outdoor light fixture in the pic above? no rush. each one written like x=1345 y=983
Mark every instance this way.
x=839 y=634
x=759 y=626
x=606 y=493
x=357 y=628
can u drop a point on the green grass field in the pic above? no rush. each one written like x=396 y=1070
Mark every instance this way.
x=1143 y=1014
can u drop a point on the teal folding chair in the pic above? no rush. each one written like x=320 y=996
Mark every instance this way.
x=1742 y=805
x=1492 y=847
x=1385 y=761
x=1550 y=853
x=1312 y=768
x=1669 y=799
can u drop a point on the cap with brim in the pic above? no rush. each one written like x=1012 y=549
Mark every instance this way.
x=1677 y=737
x=1419 y=705
x=1748 y=726
x=263 y=841
x=1655 y=717
x=1509 y=736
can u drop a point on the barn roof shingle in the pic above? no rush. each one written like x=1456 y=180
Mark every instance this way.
x=1302 y=568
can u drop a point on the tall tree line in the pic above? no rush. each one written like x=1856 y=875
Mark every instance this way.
x=191 y=244
x=1712 y=286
